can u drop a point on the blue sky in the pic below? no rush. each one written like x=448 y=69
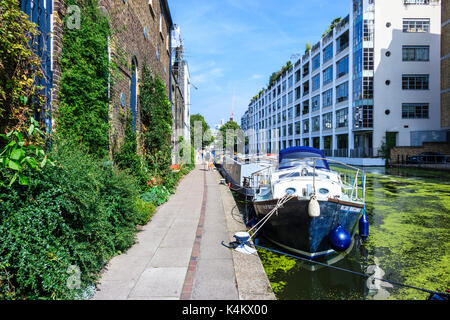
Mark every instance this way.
x=233 y=46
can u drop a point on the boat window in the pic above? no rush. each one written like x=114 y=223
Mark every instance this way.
x=290 y=175
x=292 y=159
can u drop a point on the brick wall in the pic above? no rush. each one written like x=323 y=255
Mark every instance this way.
x=398 y=152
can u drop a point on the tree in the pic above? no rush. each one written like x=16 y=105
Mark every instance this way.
x=233 y=129
x=205 y=130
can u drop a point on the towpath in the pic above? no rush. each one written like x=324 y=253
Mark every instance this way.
x=179 y=256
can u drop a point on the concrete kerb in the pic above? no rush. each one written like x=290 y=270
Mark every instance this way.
x=252 y=281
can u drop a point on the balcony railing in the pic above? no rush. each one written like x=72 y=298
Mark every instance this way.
x=341 y=153
x=416 y=1
x=361 y=153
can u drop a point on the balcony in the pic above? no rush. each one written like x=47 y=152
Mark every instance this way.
x=361 y=153
x=340 y=153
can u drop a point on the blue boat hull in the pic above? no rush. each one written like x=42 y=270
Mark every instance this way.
x=293 y=229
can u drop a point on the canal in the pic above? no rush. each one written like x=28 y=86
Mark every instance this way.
x=409 y=214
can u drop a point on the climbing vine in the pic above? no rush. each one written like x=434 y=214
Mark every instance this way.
x=156 y=117
x=82 y=116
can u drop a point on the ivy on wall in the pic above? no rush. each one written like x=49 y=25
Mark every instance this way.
x=156 y=118
x=82 y=115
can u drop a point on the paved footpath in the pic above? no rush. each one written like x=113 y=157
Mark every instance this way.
x=179 y=255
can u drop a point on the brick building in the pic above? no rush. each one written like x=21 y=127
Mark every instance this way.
x=141 y=35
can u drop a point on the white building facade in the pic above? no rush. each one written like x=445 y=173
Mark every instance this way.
x=375 y=76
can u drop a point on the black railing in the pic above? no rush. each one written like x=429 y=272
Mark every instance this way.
x=361 y=153
x=341 y=153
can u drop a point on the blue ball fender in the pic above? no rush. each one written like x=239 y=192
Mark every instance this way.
x=364 y=226
x=340 y=239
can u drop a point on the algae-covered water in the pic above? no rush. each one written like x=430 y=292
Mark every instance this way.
x=409 y=214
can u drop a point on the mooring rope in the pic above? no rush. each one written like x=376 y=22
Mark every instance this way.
x=261 y=222
x=353 y=272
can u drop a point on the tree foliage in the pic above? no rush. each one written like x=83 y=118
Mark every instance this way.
x=206 y=132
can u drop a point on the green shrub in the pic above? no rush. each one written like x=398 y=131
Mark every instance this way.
x=145 y=211
x=80 y=212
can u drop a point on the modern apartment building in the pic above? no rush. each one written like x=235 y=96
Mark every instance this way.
x=374 y=77
x=445 y=65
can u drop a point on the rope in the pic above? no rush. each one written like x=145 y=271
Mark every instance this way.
x=260 y=223
x=353 y=272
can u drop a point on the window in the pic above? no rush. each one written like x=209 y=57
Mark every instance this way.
x=327 y=121
x=297 y=127
x=363 y=117
x=316 y=82
x=305 y=88
x=298 y=93
x=368 y=59
x=284 y=116
x=284 y=131
x=316 y=62
x=328 y=53
x=290 y=82
x=279 y=117
x=416 y=25
x=306 y=126
x=297 y=75
x=327 y=98
x=283 y=86
x=316 y=123
x=342 y=67
x=415 y=110
x=305 y=107
x=283 y=99
x=290 y=97
x=415 y=82
x=342 y=42
x=279 y=103
x=367 y=88
x=315 y=103
x=416 y=53
x=342 y=92
x=306 y=142
x=305 y=69
x=290 y=113
x=342 y=118
x=328 y=75
x=290 y=129
x=297 y=110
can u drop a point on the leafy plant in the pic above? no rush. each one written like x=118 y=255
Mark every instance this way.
x=20 y=154
x=19 y=67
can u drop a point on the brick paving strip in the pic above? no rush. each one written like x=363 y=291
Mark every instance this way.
x=186 y=293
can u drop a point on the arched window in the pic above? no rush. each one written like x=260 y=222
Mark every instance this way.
x=133 y=91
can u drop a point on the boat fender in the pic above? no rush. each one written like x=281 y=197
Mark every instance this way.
x=313 y=207
x=364 y=226
x=340 y=239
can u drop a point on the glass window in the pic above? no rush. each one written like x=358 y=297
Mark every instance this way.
x=415 y=82
x=342 y=118
x=290 y=82
x=415 y=110
x=316 y=83
x=297 y=110
x=316 y=62
x=416 y=53
x=416 y=25
x=342 y=67
x=290 y=129
x=290 y=113
x=327 y=121
x=327 y=98
x=328 y=53
x=316 y=123
x=306 y=126
x=328 y=75
x=315 y=103
x=290 y=97
x=297 y=127
x=342 y=92
x=284 y=101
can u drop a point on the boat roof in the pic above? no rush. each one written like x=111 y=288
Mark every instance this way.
x=306 y=151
